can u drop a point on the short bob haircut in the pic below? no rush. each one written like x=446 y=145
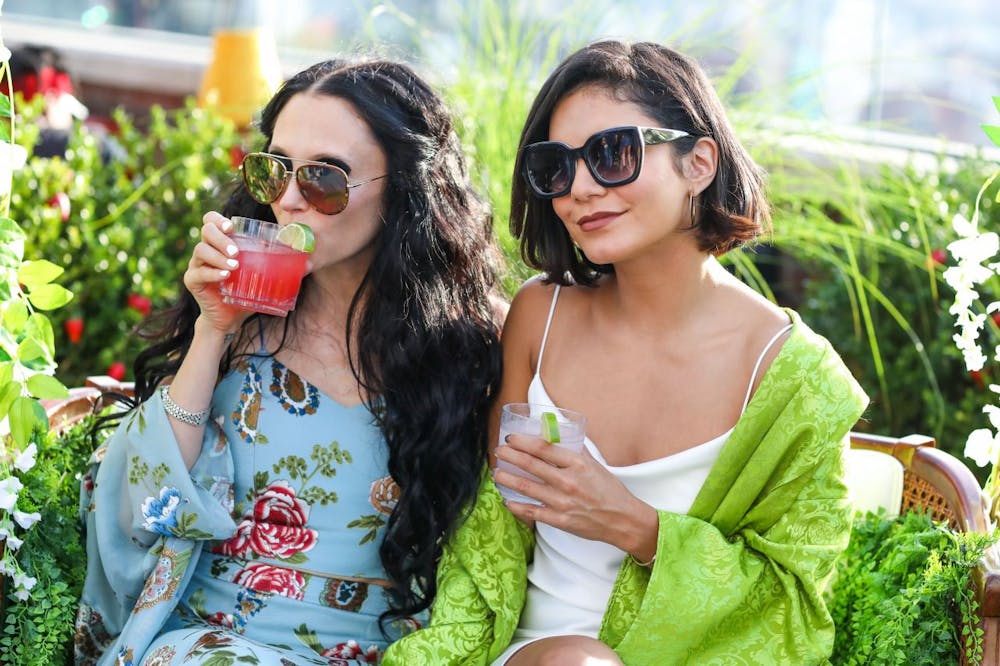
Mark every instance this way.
x=671 y=88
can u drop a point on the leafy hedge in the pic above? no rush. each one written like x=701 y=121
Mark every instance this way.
x=903 y=596
x=121 y=227
x=39 y=631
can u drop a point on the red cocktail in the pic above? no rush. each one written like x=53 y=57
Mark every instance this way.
x=270 y=272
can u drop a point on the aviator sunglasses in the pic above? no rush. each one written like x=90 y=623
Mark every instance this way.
x=613 y=157
x=323 y=186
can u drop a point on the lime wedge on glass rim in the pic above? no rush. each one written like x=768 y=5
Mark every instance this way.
x=550 y=428
x=297 y=236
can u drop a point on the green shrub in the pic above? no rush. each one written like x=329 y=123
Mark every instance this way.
x=39 y=630
x=902 y=594
x=130 y=226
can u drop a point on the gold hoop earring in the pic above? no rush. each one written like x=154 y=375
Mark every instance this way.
x=691 y=209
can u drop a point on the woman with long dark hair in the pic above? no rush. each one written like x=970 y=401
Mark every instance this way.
x=282 y=489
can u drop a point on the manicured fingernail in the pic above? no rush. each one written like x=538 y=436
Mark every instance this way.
x=231 y=250
x=224 y=273
x=232 y=263
x=506 y=439
x=227 y=225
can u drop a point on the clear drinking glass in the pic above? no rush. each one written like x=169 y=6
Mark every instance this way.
x=524 y=418
x=270 y=272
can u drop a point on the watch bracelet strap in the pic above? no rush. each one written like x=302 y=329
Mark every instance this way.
x=179 y=413
x=643 y=564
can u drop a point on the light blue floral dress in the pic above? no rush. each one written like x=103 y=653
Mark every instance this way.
x=266 y=552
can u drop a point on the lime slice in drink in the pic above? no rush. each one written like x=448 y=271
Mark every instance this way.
x=297 y=236
x=550 y=428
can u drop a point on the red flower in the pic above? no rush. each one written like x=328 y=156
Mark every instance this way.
x=275 y=580
x=939 y=256
x=74 y=329
x=977 y=377
x=140 y=304
x=996 y=318
x=274 y=527
x=116 y=371
x=60 y=200
x=236 y=155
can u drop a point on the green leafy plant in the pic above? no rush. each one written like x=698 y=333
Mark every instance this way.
x=902 y=594
x=27 y=351
x=122 y=214
x=38 y=630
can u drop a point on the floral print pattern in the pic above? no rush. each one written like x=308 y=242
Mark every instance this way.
x=259 y=531
x=275 y=527
x=160 y=513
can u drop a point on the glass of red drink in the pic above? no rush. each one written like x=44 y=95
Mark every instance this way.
x=270 y=272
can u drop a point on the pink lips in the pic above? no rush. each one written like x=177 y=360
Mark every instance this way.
x=596 y=221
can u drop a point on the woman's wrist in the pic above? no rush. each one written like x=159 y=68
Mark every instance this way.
x=205 y=332
x=645 y=536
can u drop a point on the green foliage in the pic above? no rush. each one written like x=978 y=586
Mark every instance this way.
x=130 y=222
x=903 y=596
x=39 y=630
x=872 y=261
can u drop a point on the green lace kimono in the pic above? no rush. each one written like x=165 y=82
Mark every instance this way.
x=738 y=580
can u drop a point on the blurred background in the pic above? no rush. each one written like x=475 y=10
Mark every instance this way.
x=915 y=66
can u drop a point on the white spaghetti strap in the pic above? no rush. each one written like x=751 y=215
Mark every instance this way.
x=548 y=322
x=760 y=359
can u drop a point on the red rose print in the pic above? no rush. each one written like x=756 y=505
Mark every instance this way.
x=279 y=505
x=274 y=527
x=220 y=620
x=275 y=580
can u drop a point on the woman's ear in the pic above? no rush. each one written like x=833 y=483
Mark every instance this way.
x=701 y=163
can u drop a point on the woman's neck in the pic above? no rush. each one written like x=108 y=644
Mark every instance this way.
x=651 y=291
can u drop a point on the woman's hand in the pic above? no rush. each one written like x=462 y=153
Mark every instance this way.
x=579 y=496
x=213 y=259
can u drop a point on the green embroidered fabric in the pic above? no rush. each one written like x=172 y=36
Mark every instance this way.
x=736 y=581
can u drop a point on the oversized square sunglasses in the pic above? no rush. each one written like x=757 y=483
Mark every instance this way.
x=613 y=157
x=324 y=186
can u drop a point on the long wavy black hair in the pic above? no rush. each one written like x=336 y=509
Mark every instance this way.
x=427 y=349
x=670 y=87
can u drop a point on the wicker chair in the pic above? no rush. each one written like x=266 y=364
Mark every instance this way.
x=941 y=483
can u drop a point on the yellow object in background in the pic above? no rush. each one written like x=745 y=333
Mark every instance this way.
x=243 y=74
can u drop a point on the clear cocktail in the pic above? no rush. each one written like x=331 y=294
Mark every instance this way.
x=564 y=428
x=270 y=272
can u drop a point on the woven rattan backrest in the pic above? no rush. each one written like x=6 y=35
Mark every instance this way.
x=918 y=493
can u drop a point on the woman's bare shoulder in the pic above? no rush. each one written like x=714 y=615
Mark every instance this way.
x=529 y=308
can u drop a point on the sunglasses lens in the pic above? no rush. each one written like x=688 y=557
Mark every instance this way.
x=614 y=156
x=549 y=168
x=263 y=176
x=323 y=186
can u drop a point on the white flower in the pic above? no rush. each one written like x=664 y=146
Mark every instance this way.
x=26 y=459
x=9 y=488
x=22 y=595
x=24 y=581
x=12 y=158
x=982 y=447
x=963 y=227
x=26 y=520
x=13 y=543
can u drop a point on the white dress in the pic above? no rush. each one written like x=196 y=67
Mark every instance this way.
x=570 y=578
